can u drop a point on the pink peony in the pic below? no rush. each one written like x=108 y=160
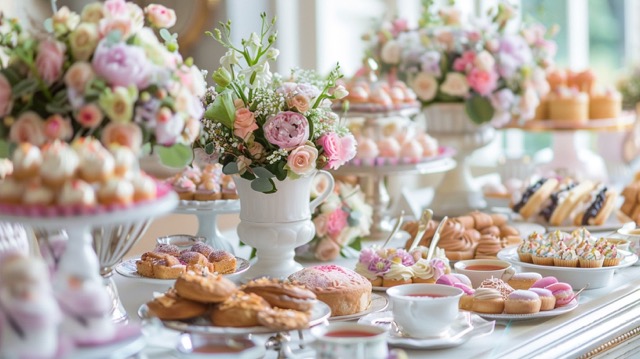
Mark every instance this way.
x=336 y=222
x=57 y=127
x=49 y=60
x=332 y=149
x=123 y=134
x=349 y=149
x=122 y=65
x=116 y=8
x=287 y=129
x=327 y=250
x=28 y=128
x=483 y=82
x=244 y=124
x=320 y=222
x=302 y=160
x=78 y=76
x=160 y=16
x=461 y=63
x=89 y=116
x=5 y=96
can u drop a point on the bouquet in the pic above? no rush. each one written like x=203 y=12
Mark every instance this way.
x=341 y=221
x=101 y=73
x=629 y=87
x=498 y=74
x=262 y=126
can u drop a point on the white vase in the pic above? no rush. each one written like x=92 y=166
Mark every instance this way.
x=276 y=223
x=458 y=193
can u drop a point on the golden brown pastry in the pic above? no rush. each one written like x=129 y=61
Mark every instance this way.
x=498 y=219
x=283 y=319
x=195 y=261
x=285 y=295
x=481 y=220
x=488 y=247
x=507 y=230
x=492 y=230
x=170 y=306
x=159 y=265
x=204 y=287
x=223 y=262
x=239 y=310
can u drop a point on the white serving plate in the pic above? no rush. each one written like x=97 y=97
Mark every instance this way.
x=542 y=314
x=578 y=278
x=127 y=268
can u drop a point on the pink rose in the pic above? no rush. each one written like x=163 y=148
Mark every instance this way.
x=302 y=160
x=160 y=16
x=89 y=116
x=327 y=250
x=28 y=128
x=483 y=82
x=320 y=222
x=300 y=102
x=191 y=130
x=244 y=124
x=122 y=25
x=78 y=76
x=116 y=8
x=49 y=60
x=122 y=65
x=287 y=129
x=169 y=126
x=349 y=149
x=5 y=96
x=256 y=150
x=332 y=149
x=123 y=134
x=336 y=222
x=57 y=127
x=463 y=62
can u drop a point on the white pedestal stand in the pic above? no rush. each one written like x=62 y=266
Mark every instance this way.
x=207 y=212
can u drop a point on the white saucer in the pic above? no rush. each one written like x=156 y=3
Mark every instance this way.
x=542 y=314
x=465 y=327
x=378 y=303
x=125 y=348
x=128 y=269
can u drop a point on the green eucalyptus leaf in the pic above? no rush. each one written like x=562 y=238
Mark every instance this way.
x=479 y=109
x=262 y=172
x=281 y=172
x=48 y=25
x=356 y=244
x=209 y=148
x=230 y=168
x=264 y=185
x=165 y=35
x=24 y=87
x=176 y=156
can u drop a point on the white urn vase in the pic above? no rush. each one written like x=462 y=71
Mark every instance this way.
x=458 y=193
x=276 y=223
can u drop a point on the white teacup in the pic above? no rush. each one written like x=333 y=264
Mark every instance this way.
x=350 y=340
x=621 y=243
x=480 y=269
x=424 y=310
x=633 y=236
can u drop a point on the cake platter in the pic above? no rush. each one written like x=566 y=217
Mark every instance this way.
x=541 y=314
x=207 y=213
x=127 y=268
x=576 y=277
x=626 y=119
x=319 y=314
x=378 y=304
x=465 y=327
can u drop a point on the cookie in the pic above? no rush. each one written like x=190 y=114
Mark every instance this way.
x=170 y=306
x=239 y=310
x=205 y=287
x=284 y=319
x=281 y=294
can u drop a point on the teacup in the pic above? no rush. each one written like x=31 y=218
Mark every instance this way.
x=633 y=236
x=480 y=269
x=350 y=340
x=424 y=310
x=621 y=244
x=201 y=346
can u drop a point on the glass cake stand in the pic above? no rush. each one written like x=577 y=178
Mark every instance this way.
x=207 y=212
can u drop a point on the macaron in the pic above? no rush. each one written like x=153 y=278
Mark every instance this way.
x=563 y=293
x=465 y=288
x=544 y=282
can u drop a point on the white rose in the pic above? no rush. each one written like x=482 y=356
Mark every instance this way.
x=390 y=52
x=425 y=86
x=455 y=84
x=528 y=102
x=331 y=204
x=484 y=61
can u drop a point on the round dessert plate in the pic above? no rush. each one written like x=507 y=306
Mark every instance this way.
x=526 y=228
x=378 y=303
x=542 y=314
x=122 y=347
x=128 y=269
x=578 y=278
x=319 y=314
x=465 y=327
x=383 y=164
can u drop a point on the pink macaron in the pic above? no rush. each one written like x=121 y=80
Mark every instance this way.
x=563 y=293
x=465 y=288
x=544 y=282
x=449 y=279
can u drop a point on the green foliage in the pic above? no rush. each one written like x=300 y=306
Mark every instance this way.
x=479 y=109
x=176 y=156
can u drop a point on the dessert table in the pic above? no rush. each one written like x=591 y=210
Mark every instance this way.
x=605 y=323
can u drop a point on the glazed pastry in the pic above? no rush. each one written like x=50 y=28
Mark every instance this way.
x=195 y=262
x=522 y=302
x=283 y=319
x=487 y=300
x=547 y=299
x=544 y=282
x=170 y=249
x=202 y=248
x=280 y=294
x=523 y=280
x=239 y=310
x=59 y=164
x=564 y=200
x=77 y=193
x=170 y=306
x=27 y=160
x=204 y=287
x=159 y=265
x=534 y=196
x=223 y=261
x=116 y=191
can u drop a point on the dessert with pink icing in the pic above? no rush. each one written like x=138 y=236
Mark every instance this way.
x=203 y=184
x=522 y=302
x=544 y=282
x=547 y=299
x=343 y=290
x=27 y=160
x=563 y=293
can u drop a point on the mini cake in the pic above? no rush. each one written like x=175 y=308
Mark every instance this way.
x=611 y=256
x=185 y=188
x=547 y=299
x=398 y=274
x=411 y=151
x=544 y=282
x=566 y=257
x=389 y=147
x=522 y=302
x=208 y=190
x=239 y=310
x=124 y=159
x=488 y=301
x=144 y=188
x=591 y=259
x=523 y=280
x=96 y=163
x=59 y=164
x=77 y=192
x=544 y=255
x=343 y=290
x=569 y=105
x=498 y=284
x=27 y=160
x=367 y=149
x=228 y=188
x=563 y=293
x=37 y=194
x=605 y=105
x=11 y=191
x=116 y=191
x=428 y=143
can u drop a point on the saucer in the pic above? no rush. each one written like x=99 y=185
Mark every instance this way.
x=466 y=326
x=378 y=303
x=128 y=342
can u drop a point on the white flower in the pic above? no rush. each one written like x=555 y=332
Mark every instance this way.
x=272 y=54
x=331 y=204
x=425 y=86
x=455 y=84
x=340 y=92
x=484 y=61
x=230 y=58
x=528 y=102
x=391 y=52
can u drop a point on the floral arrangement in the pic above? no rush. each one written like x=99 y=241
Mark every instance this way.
x=264 y=127
x=629 y=87
x=497 y=73
x=101 y=73
x=341 y=220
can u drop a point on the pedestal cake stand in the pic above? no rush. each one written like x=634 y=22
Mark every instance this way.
x=207 y=212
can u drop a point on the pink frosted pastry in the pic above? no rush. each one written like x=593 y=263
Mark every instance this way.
x=358 y=94
x=380 y=97
x=116 y=191
x=208 y=190
x=367 y=149
x=429 y=145
x=411 y=150
x=185 y=188
x=452 y=279
x=544 y=282
x=27 y=160
x=389 y=147
x=547 y=299
x=37 y=194
x=522 y=302
x=59 y=164
x=77 y=192
x=228 y=188
x=563 y=293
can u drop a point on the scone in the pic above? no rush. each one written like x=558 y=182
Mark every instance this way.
x=239 y=310
x=283 y=319
x=223 y=262
x=170 y=306
x=488 y=301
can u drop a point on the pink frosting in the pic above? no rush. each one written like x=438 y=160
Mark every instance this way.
x=389 y=147
x=448 y=279
x=544 y=282
x=367 y=149
x=411 y=149
x=563 y=293
x=527 y=275
x=520 y=294
x=542 y=292
x=328 y=277
x=465 y=288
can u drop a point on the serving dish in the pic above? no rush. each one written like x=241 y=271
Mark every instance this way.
x=128 y=269
x=541 y=314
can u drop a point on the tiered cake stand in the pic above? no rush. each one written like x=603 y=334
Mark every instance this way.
x=207 y=212
x=80 y=255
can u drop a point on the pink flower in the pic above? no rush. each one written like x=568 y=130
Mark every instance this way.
x=123 y=25
x=57 y=127
x=122 y=65
x=461 y=63
x=336 y=222
x=483 y=82
x=116 y=8
x=78 y=76
x=349 y=150
x=160 y=16
x=320 y=222
x=300 y=102
x=327 y=250
x=89 y=116
x=256 y=150
x=5 y=96
x=244 y=124
x=169 y=126
x=123 y=134
x=287 y=129
x=302 y=160
x=332 y=149
x=49 y=60
x=28 y=128
x=191 y=130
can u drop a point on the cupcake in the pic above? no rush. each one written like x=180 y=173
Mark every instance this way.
x=124 y=159
x=398 y=274
x=591 y=259
x=184 y=187
x=96 y=164
x=611 y=256
x=27 y=160
x=144 y=188
x=11 y=191
x=59 y=164
x=228 y=188
x=566 y=258
x=116 y=191
x=208 y=190
x=544 y=255
x=77 y=192
x=37 y=194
